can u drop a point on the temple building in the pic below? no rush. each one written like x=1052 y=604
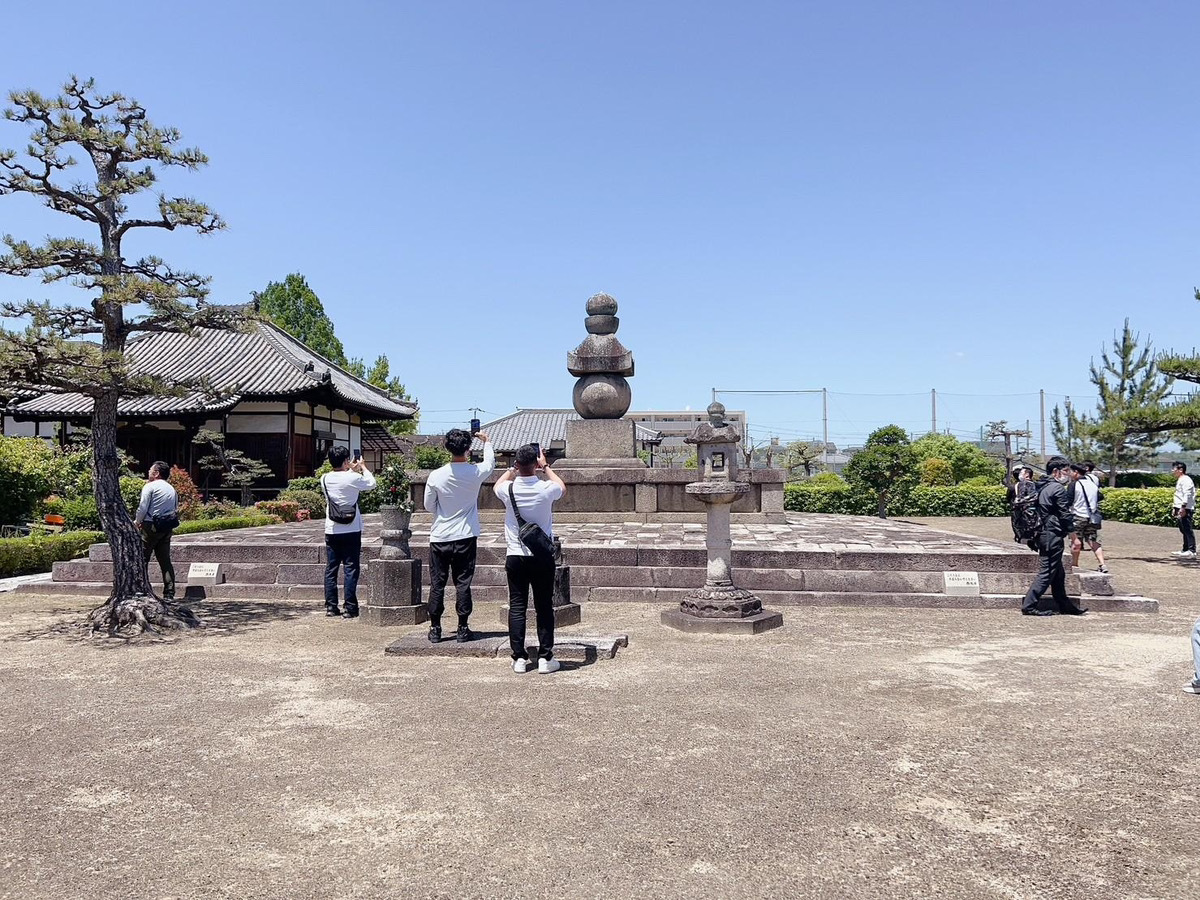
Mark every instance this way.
x=270 y=395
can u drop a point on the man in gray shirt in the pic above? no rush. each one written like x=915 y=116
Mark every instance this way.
x=158 y=509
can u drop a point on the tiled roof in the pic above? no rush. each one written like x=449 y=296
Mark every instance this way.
x=538 y=426
x=264 y=362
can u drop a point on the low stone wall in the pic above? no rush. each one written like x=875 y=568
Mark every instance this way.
x=637 y=490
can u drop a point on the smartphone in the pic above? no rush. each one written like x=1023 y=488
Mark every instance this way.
x=357 y=454
x=474 y=426
x=537 y=448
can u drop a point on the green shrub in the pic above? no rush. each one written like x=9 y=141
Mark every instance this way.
x=957 y=500
x=79 y=514
x=198 y=526
x=307 y=483
x=1142 y=479
x=285 y=510
x=187 y=494
x=218 y=509
x=25 y=477
x=936 y=472
x=841 y=499
x=429 y=457
x=32 y=555
x=131 y=491
x=1142 y=506
x=312 y=501
x=826 y=478
x=980 y=481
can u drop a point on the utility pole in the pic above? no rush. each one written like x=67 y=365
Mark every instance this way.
x=1070 y=430
x=1001 y=429
x=825 y=428
x=933 y=397
x=1042 y=394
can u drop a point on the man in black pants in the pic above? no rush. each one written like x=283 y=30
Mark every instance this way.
x=1054 y=504
x=534 y=503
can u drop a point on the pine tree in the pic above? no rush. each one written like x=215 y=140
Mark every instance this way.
x=1127 y=379
x=1180 y=417
x=82 y=348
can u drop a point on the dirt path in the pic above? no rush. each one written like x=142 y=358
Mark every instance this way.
x=853 y=753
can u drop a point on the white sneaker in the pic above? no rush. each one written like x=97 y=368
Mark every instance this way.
x=1187 y=554
x=521 y=666
x=546 y=666
x=1193 y=688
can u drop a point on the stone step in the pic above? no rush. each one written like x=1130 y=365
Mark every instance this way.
x=684 y=557
x=763 y=579
x=499 y=594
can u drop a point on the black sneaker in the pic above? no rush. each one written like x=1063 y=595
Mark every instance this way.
x=464 y=634
x=1037 y=612
x=350 y=613
x=435 y=633
x=333 y=612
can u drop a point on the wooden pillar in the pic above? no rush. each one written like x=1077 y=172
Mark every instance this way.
x=291 y=440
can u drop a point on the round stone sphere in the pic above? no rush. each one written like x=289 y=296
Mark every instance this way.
x=601 y=305
x=602 y=396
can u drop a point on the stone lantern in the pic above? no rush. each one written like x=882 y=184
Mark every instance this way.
x=720 y=605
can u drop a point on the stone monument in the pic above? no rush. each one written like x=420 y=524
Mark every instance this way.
x=602 y=365
x=394 y=590
x=719 y=606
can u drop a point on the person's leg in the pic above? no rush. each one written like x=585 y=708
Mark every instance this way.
x=162 y=552
x=439 y=568
x=542 y=581
x=1099 y=551
x=1040 y=582
x=1058 y=584
x=351 y=552
x=1076 y=548
x=332 y=560
x=1196 y=656
x=463 y=565
x=515 y=567
x=1189 y=536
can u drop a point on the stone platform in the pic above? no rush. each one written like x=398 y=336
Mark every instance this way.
x=808 y=560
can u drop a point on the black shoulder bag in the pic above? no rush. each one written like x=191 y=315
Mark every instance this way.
x=335 y=512
x=536 y=541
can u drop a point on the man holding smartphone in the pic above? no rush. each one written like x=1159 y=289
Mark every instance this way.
x=452 y=495
x=343 y=527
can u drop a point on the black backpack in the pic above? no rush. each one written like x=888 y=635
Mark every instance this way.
x=1026 y=516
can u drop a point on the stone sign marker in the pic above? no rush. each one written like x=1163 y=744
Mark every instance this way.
x=961 y=584
x=205 y=574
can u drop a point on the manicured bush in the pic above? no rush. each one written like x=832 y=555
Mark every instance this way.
x=826 y=478
x=80 y=514
x=980 y=481
x=1142 y=506
x=187 y=494
x=131 y=491
x=307 y=483
x=286 y=510
x=25 y=466
x=957 y=500
x=1141 y=479
x=31 y=555
x=218 y=509
x=841 y=499
x=426 y=456
x=199 y=526
x=312 y=502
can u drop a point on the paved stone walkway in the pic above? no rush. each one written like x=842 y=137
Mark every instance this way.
x=805 y=532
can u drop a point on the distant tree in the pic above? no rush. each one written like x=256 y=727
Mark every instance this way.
x=1126 y=380
x=379 y=375
x=82 y=348
x=668 y=454
x=294 y=306
x=800 y=458
x=966 y=460
x=885 y=466
x=233 y=467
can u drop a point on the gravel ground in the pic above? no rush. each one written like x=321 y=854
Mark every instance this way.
x=852 y=753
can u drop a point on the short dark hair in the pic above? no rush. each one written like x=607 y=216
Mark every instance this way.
x=1057 y=462
x=162 y=469
x=1080 y=468
x=1181 y=466
x=527 y=456
x=338 y=456
x=1027 y=469
x=458 y=441
x=1089 y=465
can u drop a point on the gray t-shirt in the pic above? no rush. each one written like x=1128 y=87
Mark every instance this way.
x=158 y=499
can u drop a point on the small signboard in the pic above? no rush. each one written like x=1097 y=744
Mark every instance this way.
x=962 y=584
x=205 y=573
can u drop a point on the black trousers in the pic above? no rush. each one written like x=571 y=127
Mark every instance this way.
x=446 y=558
x=1051 y=575
x=158 y=545
x=1185 y=526
x=343 y=550
x=525 y=572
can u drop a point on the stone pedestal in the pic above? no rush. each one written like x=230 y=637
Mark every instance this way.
x=394 y=593
x=600 y=443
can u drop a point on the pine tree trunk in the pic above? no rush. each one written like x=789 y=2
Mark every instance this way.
x=132 y=607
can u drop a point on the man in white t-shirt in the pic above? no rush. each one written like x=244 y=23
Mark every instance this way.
x=1183 y=507
x=1085 y=507
x=452 y=495
x=343 y=539
x=535 y=502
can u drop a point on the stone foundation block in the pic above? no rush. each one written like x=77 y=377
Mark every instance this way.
x=595 y=439
x=388 y=616
x=756 y=624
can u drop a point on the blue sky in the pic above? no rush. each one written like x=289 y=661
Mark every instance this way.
x=874 y=197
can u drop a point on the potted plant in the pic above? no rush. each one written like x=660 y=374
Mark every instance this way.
x=394 y=490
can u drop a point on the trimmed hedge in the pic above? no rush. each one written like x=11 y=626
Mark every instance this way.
x=31 y=555
x=199 y=526
x=1141 y=506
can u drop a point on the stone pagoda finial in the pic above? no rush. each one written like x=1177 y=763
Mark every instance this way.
x=601 y=363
